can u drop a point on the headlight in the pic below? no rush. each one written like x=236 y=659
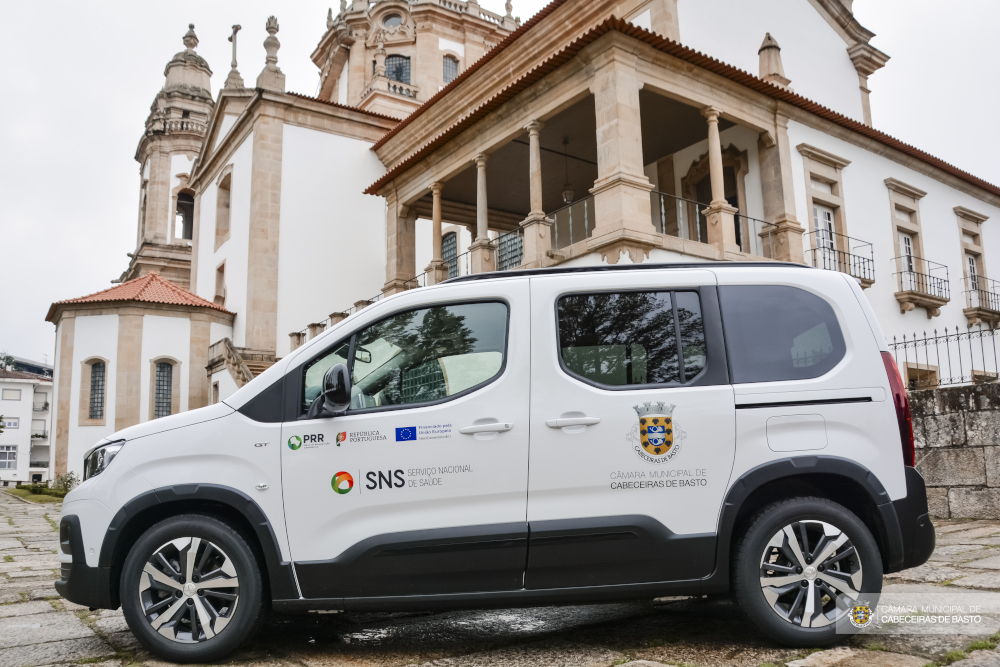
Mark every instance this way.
x=99 y=458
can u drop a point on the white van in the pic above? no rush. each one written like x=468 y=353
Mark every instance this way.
x=526 y=438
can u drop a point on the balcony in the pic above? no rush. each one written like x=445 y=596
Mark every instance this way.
x=921 y=283
x=38 y=464
x=982 y=300
x=40 y=407
x=40 y=435
x=837 y=252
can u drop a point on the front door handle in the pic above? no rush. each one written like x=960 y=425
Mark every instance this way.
x=573 y=421
x=493 y=427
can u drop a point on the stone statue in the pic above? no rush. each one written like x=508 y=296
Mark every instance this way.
x=510 y=7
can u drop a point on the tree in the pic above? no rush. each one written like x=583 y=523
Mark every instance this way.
x=5 y=360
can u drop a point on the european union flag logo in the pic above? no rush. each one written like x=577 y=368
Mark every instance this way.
x=406 y=433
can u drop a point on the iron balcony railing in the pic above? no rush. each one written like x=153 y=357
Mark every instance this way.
x=672 y=216
x=40 y=407
x=39 y=435
x=573 y=223
x=837 y=252
x=949 y=358
x=915 y=274
x=38 y=464
x=982 y=292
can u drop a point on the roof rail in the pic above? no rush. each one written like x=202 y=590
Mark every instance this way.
x=555 y=270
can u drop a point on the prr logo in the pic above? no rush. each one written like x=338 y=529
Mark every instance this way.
x=341 y=437
x=294 y=442
x=342 y=482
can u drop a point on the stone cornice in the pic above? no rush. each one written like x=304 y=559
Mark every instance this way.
x=61 y=310
x=867 y=59
x=906 y=190
x=970 y=215
x=842 y=19
x=820 y=155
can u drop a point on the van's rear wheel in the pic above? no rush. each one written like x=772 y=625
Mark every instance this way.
x=801 y=566
x=191 y=590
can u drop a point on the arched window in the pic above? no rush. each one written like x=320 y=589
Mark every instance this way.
x=164 y=389
x=222 y=206
x=449 y=253
x=450 y=69
x=397 y=68
x=185 y=216
x=97 y=384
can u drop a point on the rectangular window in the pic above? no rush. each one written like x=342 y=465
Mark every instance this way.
x=12 y=394
x=776 y=333
x=97 y=390
x=631 y=338
x=418 y=356
x=11 y=422
x=164 y=389
x=450 y=69
x=8 y=457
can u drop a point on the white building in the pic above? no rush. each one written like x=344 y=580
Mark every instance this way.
x=25 y=444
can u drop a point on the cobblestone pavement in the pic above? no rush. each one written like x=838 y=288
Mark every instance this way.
x=37 y=627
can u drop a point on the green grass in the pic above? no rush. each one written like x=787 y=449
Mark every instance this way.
x=8 y=559
x=33 y=497
x=981 y=645
x=953 y=656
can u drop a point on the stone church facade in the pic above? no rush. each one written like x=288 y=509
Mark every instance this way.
x=446 y=139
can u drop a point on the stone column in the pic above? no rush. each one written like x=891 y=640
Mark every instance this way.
x=621 y=192
x=483 y=259
x=315 y=329
x=337 y=318
x=536 y=230
x=784 y=239
x=198 y=382
x=400 y=240
x=721 y=216
x=295 y=340
x=437 y=270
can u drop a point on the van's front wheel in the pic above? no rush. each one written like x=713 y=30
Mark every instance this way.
x=801 y=566
x=191 y=590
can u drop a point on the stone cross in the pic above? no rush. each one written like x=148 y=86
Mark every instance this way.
x=234 y=81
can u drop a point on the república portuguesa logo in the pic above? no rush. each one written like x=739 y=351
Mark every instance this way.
x=341 y=437
x=294 y=442
x=656 y=438
x=342 y=482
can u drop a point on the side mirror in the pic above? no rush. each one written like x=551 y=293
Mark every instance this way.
x=337 y=389
x=363 y=355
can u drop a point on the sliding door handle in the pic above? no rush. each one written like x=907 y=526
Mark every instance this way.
x=494 y=427
x=572 y=421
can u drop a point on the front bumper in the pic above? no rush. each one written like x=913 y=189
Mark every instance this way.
x=908 y=526
x=79 y=583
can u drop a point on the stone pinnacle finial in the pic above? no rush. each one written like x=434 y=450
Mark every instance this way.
x=329 y=18
x=343 y=6
x=509 y=6
x=234 y=80
x=190 y=39
x=271 y=77
x=771 y=69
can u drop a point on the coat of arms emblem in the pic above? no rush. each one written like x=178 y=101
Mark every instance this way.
x=656 y=438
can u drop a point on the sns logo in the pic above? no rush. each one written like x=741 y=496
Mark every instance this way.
x=342 y=482
x=341 y=437
x=294 y=442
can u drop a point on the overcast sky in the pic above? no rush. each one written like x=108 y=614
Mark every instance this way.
x=80 y=76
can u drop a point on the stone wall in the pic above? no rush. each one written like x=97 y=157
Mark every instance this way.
x=957 y=433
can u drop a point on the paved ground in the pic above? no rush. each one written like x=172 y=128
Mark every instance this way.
x=39 y=628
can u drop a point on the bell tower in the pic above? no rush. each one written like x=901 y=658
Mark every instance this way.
x=175 y=128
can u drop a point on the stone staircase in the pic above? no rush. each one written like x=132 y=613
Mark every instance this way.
x=243 y=363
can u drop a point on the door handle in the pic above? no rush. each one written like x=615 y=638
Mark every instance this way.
x=494 y=427
x=573 y=421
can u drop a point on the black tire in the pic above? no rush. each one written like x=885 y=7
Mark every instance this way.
x=772 y=616
x=218 y=544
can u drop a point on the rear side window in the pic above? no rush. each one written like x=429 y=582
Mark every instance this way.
x=623 y=339
x=776 y=333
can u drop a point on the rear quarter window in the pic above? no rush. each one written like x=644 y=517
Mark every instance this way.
x=777 y=333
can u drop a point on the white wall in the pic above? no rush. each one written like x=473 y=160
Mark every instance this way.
x=164 y=337
x=332 y=239
x=217 y=332
x=19 y=437
x=234 y=251
x=226 y=124
x=94 y=336
x=813 y=54
x=227 y=386
x=866 y=200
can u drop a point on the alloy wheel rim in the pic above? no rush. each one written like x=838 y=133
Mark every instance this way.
x=189 y=590
x=810 y=573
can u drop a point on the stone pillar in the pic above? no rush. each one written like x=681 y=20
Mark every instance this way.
x=400 y=240
x=337 y=318
x=357 y=69
x=361 y=305
x=198 y=382
x=437 y=270
x=721 y=216
x=315 y=329
x=296 y=340
x=483 y=259
x=776 y=180
x=621 y=192
x=536 y=229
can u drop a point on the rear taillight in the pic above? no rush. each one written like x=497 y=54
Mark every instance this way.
x=902 y=404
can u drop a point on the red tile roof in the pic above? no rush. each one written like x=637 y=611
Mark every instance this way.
x=21 y=375
x=666 y=46
x=150 y=288
x=345 y=106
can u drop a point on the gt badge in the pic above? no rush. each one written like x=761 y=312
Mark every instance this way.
x=656 y=438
